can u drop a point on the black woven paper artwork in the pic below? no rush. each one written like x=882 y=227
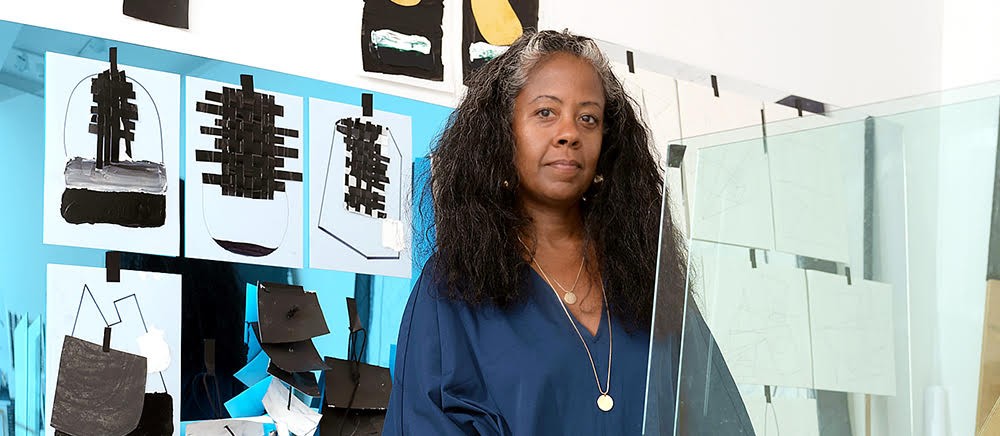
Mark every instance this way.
x=365 y=178
x=114 y=113
x=248 y=143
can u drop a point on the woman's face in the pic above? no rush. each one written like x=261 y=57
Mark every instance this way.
x=558 y=126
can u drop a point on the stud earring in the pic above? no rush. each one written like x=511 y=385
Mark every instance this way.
x=505 y=184
x=598 y=179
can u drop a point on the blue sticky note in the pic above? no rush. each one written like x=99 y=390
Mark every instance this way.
x=392 y=361
x=253 y=345
x=250 y=402
x=254 y=371
x=251 y=309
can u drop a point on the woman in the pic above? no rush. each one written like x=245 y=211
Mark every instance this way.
x=533 y=314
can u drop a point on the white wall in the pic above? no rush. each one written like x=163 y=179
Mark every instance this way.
x=845 y=53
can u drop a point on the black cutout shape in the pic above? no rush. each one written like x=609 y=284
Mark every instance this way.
x=173 y=13
x=157 y=415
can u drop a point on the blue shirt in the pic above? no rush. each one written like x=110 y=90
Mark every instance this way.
x=522 y=371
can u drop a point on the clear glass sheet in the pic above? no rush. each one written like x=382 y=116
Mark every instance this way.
x=797 y=284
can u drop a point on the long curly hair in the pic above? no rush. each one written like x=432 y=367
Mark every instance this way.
x=473 y=189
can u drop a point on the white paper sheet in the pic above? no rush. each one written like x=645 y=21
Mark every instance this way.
x=158 y=296
x=810 y=190
x=732 y=202
x=210 y=215
x=759 y=317
x=67 y=116
x=299 y=418
x=228 y=427
x=852 y=334
x=344 y=240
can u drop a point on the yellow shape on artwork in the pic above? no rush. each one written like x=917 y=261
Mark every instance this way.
x=497 y=21
x=406 y=2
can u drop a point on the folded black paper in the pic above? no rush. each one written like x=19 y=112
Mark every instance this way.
x=173 y=13
x=305 y=382
x=288 y=316
x=374 y=385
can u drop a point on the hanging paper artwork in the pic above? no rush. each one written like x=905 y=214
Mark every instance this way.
x=111 y=160
x=361 y=170
x=116 y=342
x=244 y=186
x=490 y=26
x=173 y=13
x=403 y=37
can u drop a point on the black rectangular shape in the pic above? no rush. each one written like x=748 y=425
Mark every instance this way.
x=106 y=344
x=173 y=13
x=112 y=266
x=128 y=209
x=366 y=104
x=630 y=59
x=675 y=155
x=715 y=85
x=352 y=315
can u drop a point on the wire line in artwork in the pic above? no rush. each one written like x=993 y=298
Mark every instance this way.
x=86 y=291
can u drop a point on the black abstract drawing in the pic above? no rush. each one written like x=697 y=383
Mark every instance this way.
x=100 y=390
x=403 y=37
x=250 y=148
x=490 y=26
x=107 y=188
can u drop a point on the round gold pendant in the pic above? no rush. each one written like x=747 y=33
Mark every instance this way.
x=605 y=403
x=569 y=298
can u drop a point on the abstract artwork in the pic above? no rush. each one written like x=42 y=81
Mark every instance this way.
x=490 y=26
x=137 y=374
x=111 y=158
x=403 y=37
x=360 y=171
x=244 y=187
x=173 y=13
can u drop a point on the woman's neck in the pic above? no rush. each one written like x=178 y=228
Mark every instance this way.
x=558 y=228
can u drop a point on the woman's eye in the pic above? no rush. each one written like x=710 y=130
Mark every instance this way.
x=589 y=119
x=545 y=113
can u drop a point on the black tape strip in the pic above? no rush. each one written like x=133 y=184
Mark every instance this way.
x=767 y=394
x=246 y=83
x=106 y=343
x=847 y=272
x=352 y=314
x=631 y=61
x=675 y=155
x=803 y=104
x=753 y=258
x=715 y=85
x=366 y=104
x=113 y=59
x=112 y=266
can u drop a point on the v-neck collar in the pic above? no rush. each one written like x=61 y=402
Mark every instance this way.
x=552 y=298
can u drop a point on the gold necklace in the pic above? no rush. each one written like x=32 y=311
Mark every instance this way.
x=568 y=296
x=604 y=401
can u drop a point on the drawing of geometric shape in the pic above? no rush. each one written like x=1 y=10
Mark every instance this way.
x=250 y=150
x=810 y=189
x=490 y=26
x=759 y=316
x=371 y=189
x=98 y=392
x=732 y=198
x=852 y=334
x=142 y=302
x=105 y=188
x=403 y=39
